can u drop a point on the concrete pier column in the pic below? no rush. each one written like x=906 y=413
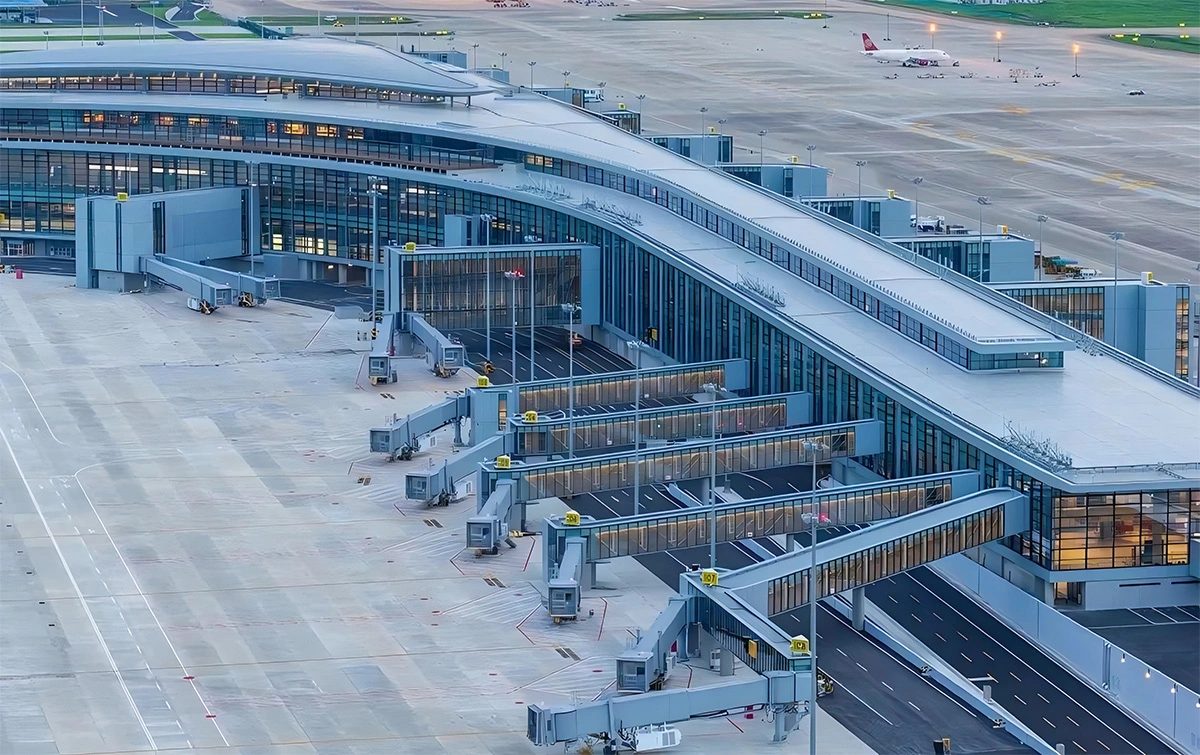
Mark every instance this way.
x=789 y=543
x=726 y=662
x=858 y=603
x=342 y=272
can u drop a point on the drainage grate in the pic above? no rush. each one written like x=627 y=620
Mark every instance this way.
x=567 y=653
x=364 y=480
x=493 y=582
x=432 y=523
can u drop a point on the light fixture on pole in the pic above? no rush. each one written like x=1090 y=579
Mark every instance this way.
x=138 y=25
x=566 y=83
x=100 y=11
x=887 y=37
x=1116 y=237
x=637 y=346
x=641 y=98
x=703 y=111
x=811 y=149
x=532 y=63
x=572 y=311
x=860 y=164
x=46 y=35
x=932 y=36
x=514 y=276
x=474 y=55
x=721 y=122
x=999 y=36
x=814 y=516
x=761 y=134
x=916 y=182
x=983 y=202
x=1041 y=219
x=487 y=221
x=1075 y=53
x=503 y=61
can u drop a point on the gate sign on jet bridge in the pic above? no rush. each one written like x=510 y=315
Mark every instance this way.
x=503 y=462
x=800 y=645
x=531 y=416
x=410 y=247
x=482 y=382
x=572 y=518
x=709 y=577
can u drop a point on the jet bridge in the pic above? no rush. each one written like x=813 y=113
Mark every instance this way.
x=761 y=517
x=885 y=549
x=620 y=388
x=542 y=436
x=436 y=487
x=259 y=289
x=781 y=667
x=379 y=361
x=444 y=355
x=685 y=461
x=203 y=288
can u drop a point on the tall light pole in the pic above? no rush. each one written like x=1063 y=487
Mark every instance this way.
x=532 y=63
x=715 y=390
x=1075 y=53
x=566 y=82
x=138 y=25
x=932 y=35
x=262 y=21
x=46 y=35
x=487 y=220
x=761 y=134
x=1116 y=237
x=813 y=517
x=81 y=26
x=811 y=149
x=503 y=61
x=641 y=98
x=703 y=111
x=887 y=36
x=514 y=276
x=571 y=310
x=860 y=164
x=720 y=123
x=474 y=56
x=532 y=312
x=999 y=36
x=1041 y=219
x=100 y=11
x=637 y=426
x=373 y=192
x=916 y=182
x=252 y=182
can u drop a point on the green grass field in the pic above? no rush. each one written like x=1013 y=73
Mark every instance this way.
x=1179 y=42
x=1073 y=13
x=719 y=15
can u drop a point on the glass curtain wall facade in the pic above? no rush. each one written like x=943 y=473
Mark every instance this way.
x=321 y=211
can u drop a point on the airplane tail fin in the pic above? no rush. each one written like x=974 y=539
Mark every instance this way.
x=868 y=45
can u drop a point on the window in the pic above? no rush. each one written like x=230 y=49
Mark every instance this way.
x=160 y=227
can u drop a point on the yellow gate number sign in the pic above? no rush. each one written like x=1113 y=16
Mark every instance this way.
x=572 y=518
x=708 y=577
x=531 y=416
x=503 y=462
x=800 y=645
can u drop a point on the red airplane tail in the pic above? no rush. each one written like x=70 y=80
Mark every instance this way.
x=868 y=45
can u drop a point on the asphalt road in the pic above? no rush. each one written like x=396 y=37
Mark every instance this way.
x=48 y=265
x=1045 y=697
x=551 y=354
x=1166 y=638
x=884 y=701
x=116 y=14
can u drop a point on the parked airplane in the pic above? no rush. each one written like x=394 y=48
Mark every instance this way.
x=916 y=56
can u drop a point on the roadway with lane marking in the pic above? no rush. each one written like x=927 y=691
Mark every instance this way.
x=1047 y=698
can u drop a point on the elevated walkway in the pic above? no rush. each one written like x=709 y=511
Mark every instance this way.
x=548 y=436
x=618 y=388
x=760 y=517
x=878 y=552
x=686 y=461
x=445 y=356
x=261 y=289
x=436 y=487
x=199 y=286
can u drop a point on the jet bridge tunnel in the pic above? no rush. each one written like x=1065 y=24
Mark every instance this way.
x=685 y=461
x=732 y=608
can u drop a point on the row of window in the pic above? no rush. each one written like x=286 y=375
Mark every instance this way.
x=215 y=83
x=597 y=391
x=738 y=455
x=882 y=561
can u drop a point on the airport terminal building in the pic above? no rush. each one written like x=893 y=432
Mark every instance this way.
x=698 y=264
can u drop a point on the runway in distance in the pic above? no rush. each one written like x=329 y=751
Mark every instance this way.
x=916 y=56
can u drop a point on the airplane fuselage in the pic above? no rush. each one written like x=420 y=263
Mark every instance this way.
x=914 y=57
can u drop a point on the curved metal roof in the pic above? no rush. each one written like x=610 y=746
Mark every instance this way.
x=329 y=60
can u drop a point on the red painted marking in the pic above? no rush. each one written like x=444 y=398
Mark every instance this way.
x=603 y=615
x=211 y=715
x=526 y=566
x=188 y=678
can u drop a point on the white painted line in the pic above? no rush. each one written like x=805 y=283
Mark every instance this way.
x=943 y=639
x=990 y=658
x=1072 y=720
x=1078 y=745
x=911 y=595
x=1052 y=726
x=1022 y=702
x=1014 y=676
x=844 y=688
x=964 y=655
x=910 y=702
x=939 y=618
x=842 y=652
x=864 y=668
x=1103 y=745
x=1043 y=697
x=893 y=600
x=918 y=618
x=112 y=663
x=886 y=685
x=35 y=403
x=960 y=634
